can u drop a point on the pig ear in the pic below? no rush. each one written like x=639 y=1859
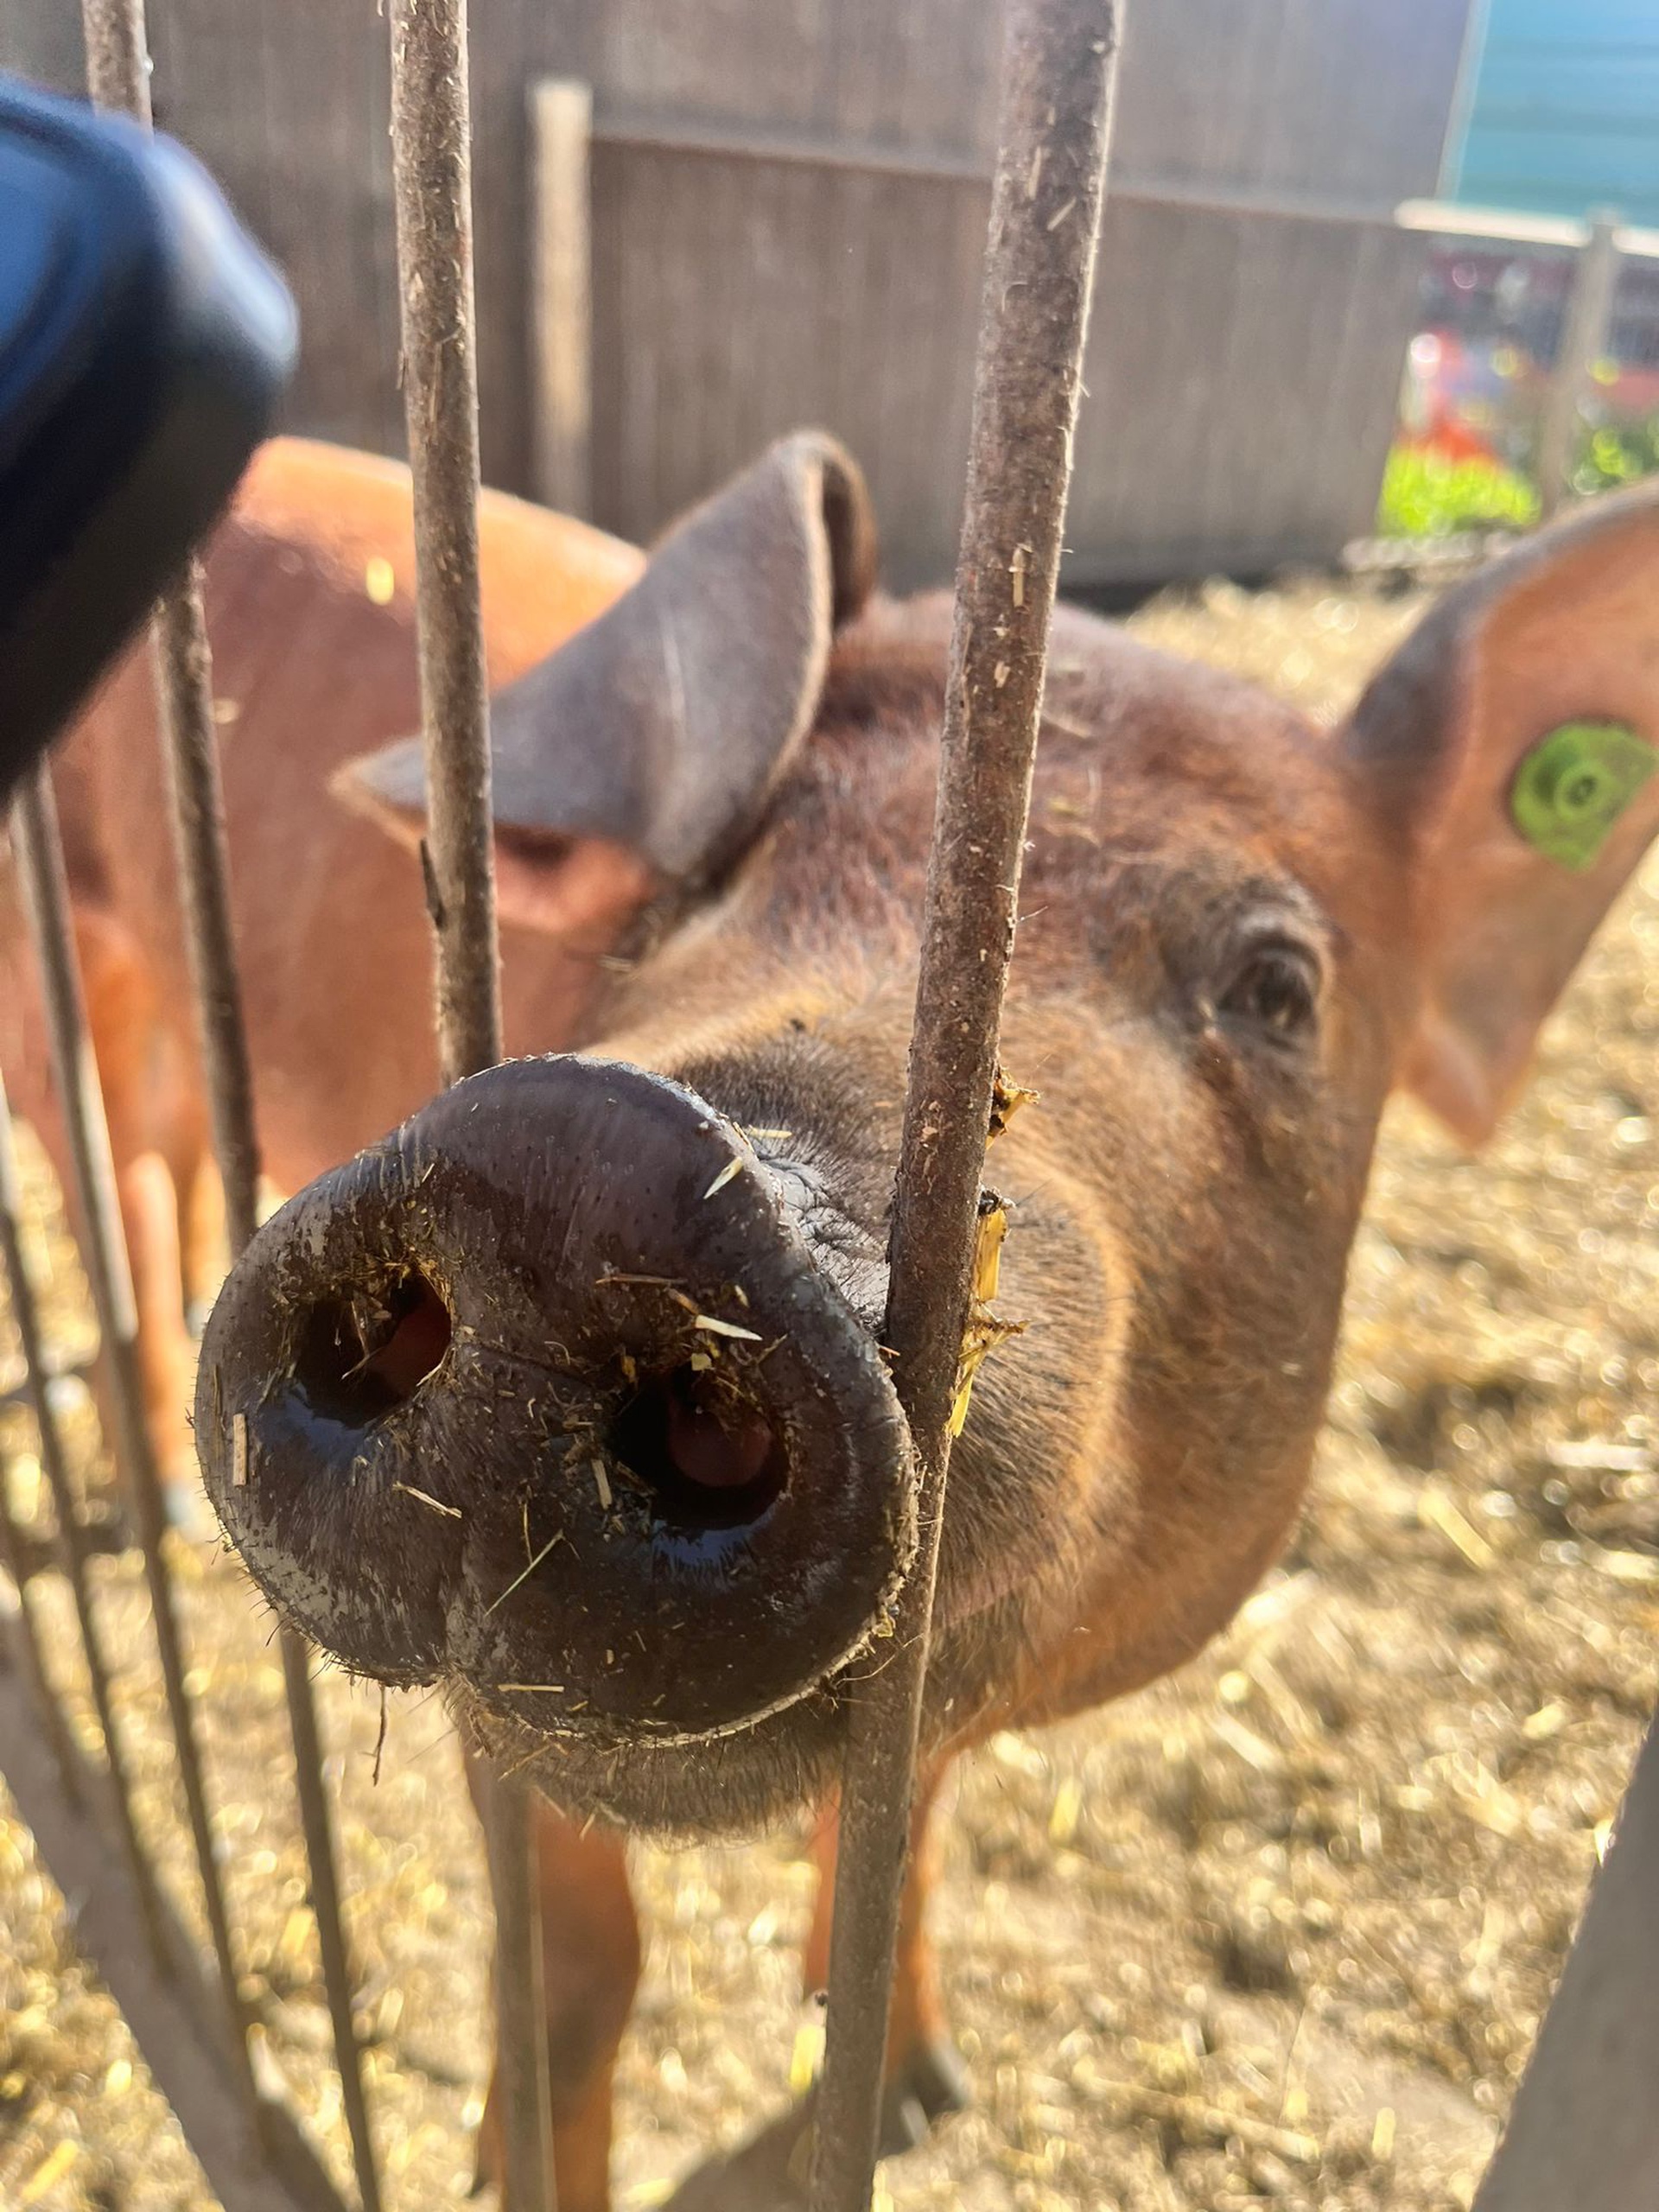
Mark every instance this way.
x=665 y=725
x=1510 y=747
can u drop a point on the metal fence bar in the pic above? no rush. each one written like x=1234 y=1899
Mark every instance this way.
x=184 y=686
x=1059 y=68
x=432 y=176
x=71 y=1539
x=40 y=853
x=23 y=1650
x=23 y=1641
x=117 y=63
x=432 y=182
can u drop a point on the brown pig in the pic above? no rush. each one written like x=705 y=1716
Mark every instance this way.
x=309 y=587
x=616 y=1315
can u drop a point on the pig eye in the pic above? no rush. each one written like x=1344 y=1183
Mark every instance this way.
x=1274 y=988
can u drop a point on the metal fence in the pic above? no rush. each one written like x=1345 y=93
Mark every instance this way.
x=191 y=2021
x=187 y=2014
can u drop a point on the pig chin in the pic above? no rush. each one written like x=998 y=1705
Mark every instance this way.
x=549 y=1398
x=749 y=1778
x=699 y=1790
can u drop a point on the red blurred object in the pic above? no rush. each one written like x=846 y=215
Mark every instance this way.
x=1449 y=435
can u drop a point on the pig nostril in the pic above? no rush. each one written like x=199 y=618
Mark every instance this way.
x=713 y=1461
x=362 y=1354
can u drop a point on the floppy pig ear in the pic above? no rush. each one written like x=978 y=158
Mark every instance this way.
x=1511 y=744
x=663 y=726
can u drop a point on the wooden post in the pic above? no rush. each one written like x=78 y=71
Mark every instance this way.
x=1584 y=341
x=562 y=114
x=1585 y=2129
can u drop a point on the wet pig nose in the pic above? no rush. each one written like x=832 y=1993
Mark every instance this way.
x=545 y=1393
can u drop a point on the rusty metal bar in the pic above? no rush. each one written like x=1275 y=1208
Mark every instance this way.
x=117 y=63
x=184 y=688
x=184 y=699
x=71 y=1543
x=1058 y=66
x=40 y=853
x=23 y=1640
x=432 y=182
x=432 y=175
x=23 y=1649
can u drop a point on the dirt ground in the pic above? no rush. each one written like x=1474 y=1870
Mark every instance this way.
x=1278 y=1931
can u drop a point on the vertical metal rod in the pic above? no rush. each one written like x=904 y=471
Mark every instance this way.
x=23 y=1635
x=72 y=1544
x=1584 y=340
x=25 y=1638
x=45 y=891
x=432 y=180
x=184 y=689
x=184 y=703
x=1046 y=205
x=118 y=64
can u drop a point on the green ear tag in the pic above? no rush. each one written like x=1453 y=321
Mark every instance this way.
x=1573 y=785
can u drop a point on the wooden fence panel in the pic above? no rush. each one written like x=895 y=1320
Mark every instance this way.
x=1274 y=348
x=748 y=296
x=287 y=104
x=735 y=297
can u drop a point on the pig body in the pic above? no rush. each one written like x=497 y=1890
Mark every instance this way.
x=309 y=587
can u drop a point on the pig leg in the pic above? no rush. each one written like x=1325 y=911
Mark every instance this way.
x=590 y=1965
x=143 y=1092
x=926 y=2079
x=200 y=1213
x=131 y=1050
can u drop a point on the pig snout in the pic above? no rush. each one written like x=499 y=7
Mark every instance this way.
x=544 y=1397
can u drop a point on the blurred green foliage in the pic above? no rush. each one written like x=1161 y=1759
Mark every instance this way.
x=1618 y=454
x=1427 y=493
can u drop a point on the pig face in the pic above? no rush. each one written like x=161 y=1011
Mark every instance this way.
x=569 y=1394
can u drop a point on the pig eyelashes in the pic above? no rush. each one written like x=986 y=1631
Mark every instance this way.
x=1274 y=988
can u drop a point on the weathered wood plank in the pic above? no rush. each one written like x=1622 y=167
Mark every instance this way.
x=288 y=106
x=562 y=112
x=1242 y=388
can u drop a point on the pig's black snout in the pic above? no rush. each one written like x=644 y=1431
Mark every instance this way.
x=545 y=1396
